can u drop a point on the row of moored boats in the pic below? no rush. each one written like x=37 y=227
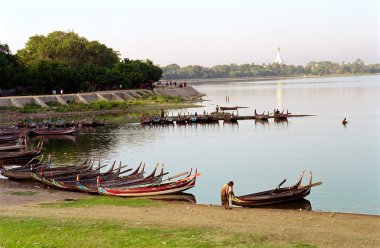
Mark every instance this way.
x=116 y=180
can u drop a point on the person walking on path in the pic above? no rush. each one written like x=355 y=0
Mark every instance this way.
x=226 y=192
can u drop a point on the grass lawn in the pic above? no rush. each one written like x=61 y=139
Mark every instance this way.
x=104 y=201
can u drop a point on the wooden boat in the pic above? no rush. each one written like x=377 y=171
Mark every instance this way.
x=15 y=147
x=167 y=120
x=127 y=181
x=230 y=108
x=181 y=120
x=277 y=195
x=281 y=115
x=261 y=117
x=192 y=119
x=9 y=138
x=230 y=118
x=58 y=131
x=11 y=131
x=156 y=119
x=146 y=120
x=20 y=156
x=166 y=187
x=34 y=166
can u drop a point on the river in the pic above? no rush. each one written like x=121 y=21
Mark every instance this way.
x=258 y=156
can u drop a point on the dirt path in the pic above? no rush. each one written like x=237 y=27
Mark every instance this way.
x=318 y=228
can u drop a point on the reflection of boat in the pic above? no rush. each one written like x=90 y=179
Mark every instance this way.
x=60 y=137
x=302 y=204
x=281 y=120
x=263 y=122
x=58 y=131
x=181 y=197
x=277 y=195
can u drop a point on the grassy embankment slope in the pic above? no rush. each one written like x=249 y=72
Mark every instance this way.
x=134 y=108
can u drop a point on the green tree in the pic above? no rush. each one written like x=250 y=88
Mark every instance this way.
x=68 y=48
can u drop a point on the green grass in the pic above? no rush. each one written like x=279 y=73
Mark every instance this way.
x=33 y=232
x=104 y=201
x=302 y=246
x=23 y=193
x=99 y=105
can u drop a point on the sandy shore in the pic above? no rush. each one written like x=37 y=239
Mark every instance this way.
x=321 y=229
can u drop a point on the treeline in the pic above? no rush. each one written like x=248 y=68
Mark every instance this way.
x=320 y=68
x=66 y=61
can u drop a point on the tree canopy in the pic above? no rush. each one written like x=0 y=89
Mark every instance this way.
x=67 y=61
x=68 y=48
x=174 y=71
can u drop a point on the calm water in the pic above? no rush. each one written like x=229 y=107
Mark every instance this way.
x=258 y=156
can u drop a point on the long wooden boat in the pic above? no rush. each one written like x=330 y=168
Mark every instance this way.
x=261 y=117
x=228 y=108
x=92 y=187
x=12 y=147
x=230 y=118
x=20 y=156
x=9 y=138
x=47 y=131
x=281 y=115
x=36 y=167
x=181 y=120
x=166 y=187
x=277 y=195
x=11 y=131
x=231 y=108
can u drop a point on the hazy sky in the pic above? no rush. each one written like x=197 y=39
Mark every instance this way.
x=206 y=32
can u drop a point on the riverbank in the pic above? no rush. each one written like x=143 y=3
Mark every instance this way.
x=43 y=219
x=130 y=114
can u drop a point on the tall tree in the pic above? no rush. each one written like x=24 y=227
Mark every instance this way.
x=68 y=48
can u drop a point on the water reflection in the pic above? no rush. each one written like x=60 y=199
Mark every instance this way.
x=281 y=122
x=294 y=205
x=46 y=138
x=261 y=122
x=181 y=197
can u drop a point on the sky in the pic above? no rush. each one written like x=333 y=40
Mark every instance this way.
x=206 y=32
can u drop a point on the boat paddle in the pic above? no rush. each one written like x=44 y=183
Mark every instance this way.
x=311 y=185
x=278 y=186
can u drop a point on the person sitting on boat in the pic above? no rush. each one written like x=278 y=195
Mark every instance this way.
x=217 y=109
x=345 y=121
x=225 y=193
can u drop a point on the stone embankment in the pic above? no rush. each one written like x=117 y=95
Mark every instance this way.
x=188 y=93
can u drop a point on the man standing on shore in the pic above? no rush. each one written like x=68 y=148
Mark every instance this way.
x=225 y=193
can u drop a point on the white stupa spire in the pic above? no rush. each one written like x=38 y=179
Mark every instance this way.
x=278 y=59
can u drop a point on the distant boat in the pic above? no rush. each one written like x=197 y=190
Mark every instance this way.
x=231 y=108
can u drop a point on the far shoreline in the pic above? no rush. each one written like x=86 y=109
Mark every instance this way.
x=245 y=79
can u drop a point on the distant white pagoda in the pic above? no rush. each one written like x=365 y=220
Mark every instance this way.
x=278 y=59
